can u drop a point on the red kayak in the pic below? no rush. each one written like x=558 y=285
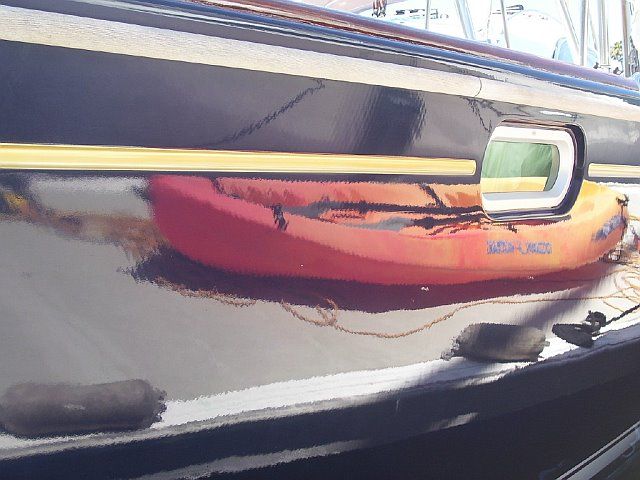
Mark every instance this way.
x=378 y=233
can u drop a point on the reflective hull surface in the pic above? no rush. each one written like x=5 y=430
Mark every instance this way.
x=289 y=249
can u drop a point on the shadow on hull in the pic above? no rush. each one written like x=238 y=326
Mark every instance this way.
x=539 y=443
x=171 y=269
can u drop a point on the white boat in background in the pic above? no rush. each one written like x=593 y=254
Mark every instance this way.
x=547 y=28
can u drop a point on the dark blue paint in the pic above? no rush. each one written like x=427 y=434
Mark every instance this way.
x=501 y=247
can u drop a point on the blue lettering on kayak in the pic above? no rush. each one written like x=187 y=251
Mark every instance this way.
x=609 y=227
x=502 y=247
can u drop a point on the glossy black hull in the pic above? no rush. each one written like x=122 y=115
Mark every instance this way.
x=530 y=438
x=273 y=373
x=123 y=100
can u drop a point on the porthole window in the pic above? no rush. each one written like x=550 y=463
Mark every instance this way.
x=526 y=169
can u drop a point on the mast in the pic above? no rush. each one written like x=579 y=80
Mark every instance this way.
x=427 y=14
x=584 y=32
x=626 y=48
x=505 y=27
x=465 y=19
x=603 y=33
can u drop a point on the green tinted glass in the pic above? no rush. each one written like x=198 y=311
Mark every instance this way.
x=519 y=166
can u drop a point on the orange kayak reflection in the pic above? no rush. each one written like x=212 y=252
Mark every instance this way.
x=379 y=233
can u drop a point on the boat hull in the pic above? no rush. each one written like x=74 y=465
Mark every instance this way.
x=116 y=267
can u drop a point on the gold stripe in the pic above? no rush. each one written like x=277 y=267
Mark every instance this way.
x=614 y=170
x=72 y=157
x=513 y=184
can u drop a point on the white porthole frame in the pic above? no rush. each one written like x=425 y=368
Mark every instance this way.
x=530 y=201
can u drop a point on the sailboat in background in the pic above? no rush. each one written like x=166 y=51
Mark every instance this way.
x=517 y=25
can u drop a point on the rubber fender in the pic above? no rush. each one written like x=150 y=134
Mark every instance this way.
x=574 y=333
x=500 y=343
x=34 y=410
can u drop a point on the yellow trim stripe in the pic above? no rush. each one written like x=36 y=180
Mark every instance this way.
x=605 y=170
x=71 y=157
x=513 y=184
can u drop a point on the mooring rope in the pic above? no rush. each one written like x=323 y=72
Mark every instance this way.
x=626 y=281
x=226 y=299
x=332 y=319
x=140 y=237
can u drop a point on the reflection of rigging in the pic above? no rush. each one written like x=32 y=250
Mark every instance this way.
x=394 y=217
x=168 y=268
x=249 y=129
x=379 y=8
x=431 y=192
x=475 y=105
x=243 y=291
